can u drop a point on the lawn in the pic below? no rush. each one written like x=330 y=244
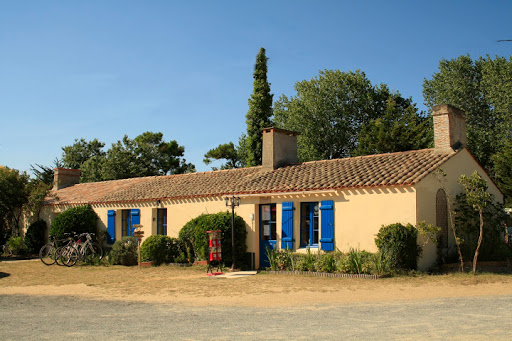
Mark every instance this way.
x=191 y=285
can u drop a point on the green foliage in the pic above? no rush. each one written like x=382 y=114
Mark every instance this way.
x=467 y=226
x=194 y=235
x=503 y=170
x=43 y=173
x=75 y=155
x=475 y=189
x=428 y=231
x=13 y=196
x=326 y=262
x=161 y=249
x=482 y=88
x=354 y=262
x=398 y=243
x=78 y=219
x=16 y=245
x=124 y=252
x=260 y=110
x=398 y=129
x=38 y=191
x=146 y=155
x=331 y=109
x=34 y=237
x=228 y=152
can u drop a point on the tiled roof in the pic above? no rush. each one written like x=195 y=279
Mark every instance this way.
x=395 y=169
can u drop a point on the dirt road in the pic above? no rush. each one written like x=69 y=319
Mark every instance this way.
x=172 y=303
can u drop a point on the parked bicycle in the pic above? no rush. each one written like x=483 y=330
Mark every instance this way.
x=48 y=253
x=83 y=248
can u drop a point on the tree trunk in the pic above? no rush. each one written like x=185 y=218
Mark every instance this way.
x=481 y=212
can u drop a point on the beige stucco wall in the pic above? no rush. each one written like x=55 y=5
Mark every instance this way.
x=426 y=190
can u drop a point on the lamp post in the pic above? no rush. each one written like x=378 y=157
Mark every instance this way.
x=232 y=202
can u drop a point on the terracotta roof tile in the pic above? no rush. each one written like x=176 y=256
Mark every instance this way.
x=394 y=169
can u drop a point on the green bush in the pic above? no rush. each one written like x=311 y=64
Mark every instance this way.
x=16 y=245
x=193 y=234
x=34 y=237
x=124 y=252
x=326 y=262
x=162 y=249
x=79 y=219
x=398 y=244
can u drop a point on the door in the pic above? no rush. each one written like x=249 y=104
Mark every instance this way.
x=268 y=216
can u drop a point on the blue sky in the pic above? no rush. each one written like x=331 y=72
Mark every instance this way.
x=102 y=69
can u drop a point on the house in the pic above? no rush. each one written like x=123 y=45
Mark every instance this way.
x=326 y=205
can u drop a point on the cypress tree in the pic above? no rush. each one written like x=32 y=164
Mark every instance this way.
x=260 y=111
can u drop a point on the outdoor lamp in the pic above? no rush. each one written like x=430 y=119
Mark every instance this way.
x=232 y=202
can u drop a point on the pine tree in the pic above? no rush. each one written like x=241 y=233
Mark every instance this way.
x=260 y=111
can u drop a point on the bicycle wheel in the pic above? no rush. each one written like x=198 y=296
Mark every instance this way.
x=68 y=256
x=47 y=254
x=58 y=251
x=98 y=251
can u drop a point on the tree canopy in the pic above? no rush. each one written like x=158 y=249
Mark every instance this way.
x=146 y=155
x=226 y=151
x=260 y=110
x=75 y=155
x=13 y=196
x=330 y=111
x=483 y=89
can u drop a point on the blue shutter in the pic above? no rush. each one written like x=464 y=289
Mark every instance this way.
x=327 y=225
x=111 y=227
x=135 y=215
x=287 y=225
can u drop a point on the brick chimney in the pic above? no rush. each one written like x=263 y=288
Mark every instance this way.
x=279 y=148
x=449 y=128
x=64 y=177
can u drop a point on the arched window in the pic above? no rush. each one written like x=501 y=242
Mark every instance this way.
x=442 y=218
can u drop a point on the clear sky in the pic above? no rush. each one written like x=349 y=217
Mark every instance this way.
x=102 y=69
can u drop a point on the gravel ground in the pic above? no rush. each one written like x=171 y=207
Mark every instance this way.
x=64 y=317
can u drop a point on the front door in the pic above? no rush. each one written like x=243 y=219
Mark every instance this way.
x=267 y=232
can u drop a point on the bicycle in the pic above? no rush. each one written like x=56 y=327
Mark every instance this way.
x=80 y=249
x=48 y=253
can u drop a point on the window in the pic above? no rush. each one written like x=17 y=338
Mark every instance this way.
x=161 y=221
x=309 y=224
x=268 y=221
x=442 y=218
x=126 y=223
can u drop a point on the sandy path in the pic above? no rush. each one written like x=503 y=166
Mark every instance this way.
x=167 y=284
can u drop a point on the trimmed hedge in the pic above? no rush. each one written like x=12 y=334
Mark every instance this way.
x=398 y=244
x=162 y=249
x=195 y=238
x=34 y=237
x=79 y=219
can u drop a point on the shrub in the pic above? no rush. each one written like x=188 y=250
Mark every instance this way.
x=124 y=252
x=34 y=237
x=162 y=249
x=326 y=262
x=398 y=243
x=16 y=245
x=193 y=234
x=77 y=219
